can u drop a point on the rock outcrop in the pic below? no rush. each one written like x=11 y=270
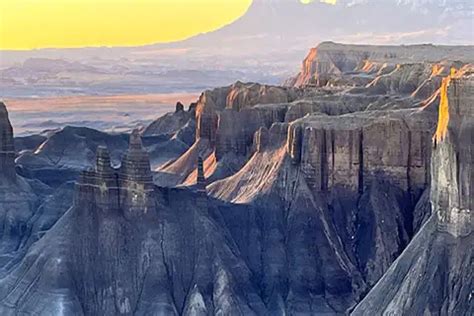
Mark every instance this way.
x=434 y=274
x=18 y=199
x=355 y=150
x=452 y=192
x=221 y=137
x=235 y=98
x=7 y=149
x=120 y=250
x=180 y=123
x=332 y=62
x=259 y=200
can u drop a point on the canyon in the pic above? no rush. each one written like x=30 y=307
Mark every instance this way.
x=345 y=190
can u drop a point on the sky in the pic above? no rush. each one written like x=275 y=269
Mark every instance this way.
x=30 y=24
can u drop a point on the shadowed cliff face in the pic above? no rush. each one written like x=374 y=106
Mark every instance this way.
x=17 y=196
x=7 y=149
x=438 y=261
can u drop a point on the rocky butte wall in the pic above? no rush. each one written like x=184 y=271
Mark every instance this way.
x=453 y=157
x=353 y=151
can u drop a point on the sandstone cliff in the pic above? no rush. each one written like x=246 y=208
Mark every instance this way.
x=286 y=200
x=452 y=192
x=329 y=61
x=434 y=274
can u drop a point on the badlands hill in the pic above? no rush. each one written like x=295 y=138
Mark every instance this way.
x=347 y=191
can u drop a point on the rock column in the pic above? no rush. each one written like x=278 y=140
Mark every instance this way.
x=7 y=149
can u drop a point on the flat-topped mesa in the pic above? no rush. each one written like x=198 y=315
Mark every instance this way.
x=135 y=178
x=452 y=188
x=330 y=60
x=7 y=149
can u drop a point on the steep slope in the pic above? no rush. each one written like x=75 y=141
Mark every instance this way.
x=319 y=190
x=221 y=138
x=120 y=251
x=180 y=124
x=434 y=275
x=18 y=198
x=288 y=201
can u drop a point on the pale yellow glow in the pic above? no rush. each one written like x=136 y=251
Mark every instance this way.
x=28 y=24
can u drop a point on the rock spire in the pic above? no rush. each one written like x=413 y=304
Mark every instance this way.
x=7 y=149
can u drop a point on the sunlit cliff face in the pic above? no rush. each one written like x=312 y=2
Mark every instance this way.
x=443 y=111
x=443 y=119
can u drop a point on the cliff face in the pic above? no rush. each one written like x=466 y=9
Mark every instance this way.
x=343 y=172
x=452 y=163
x=438 y=261
x=353 y=151
x=385 y=69
x=17 y=197
x=7 y=149
x=289 y=200
x=128 y=191
x=222 y=137
x=235 y=98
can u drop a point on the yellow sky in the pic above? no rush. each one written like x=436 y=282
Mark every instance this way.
x=28 y=24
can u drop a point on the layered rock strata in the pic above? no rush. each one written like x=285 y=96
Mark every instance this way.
x=330 y=62
x=452 y=192
x=120 y=250
x=128 y=190
x=354 y=150
x=434 y=275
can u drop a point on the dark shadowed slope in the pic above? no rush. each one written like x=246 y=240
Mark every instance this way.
x=434 y=275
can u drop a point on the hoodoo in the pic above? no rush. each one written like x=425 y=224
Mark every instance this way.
x=135 y=179
x=128 y=189
x=201 y=179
